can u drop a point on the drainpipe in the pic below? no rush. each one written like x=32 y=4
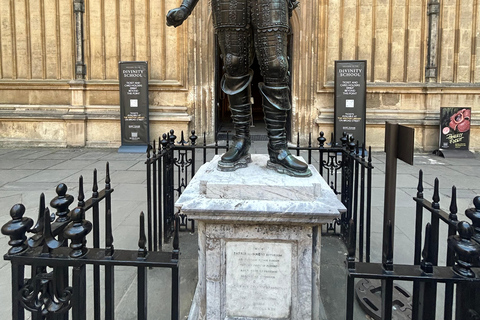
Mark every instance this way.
x=80 y=68
x=432 y=44
x=75 y=119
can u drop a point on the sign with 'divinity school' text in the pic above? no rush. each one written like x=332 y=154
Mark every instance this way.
x=133 y=79
x=350 y=99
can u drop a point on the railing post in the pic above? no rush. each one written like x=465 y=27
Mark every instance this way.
x=416 y=314
x=153 y=228
x=347 y=182
x=452 y=230
x=387 y=284
x=467 y=254
x=109 y=251
x=76 y=232
x=321 y=142
x=362 y=204
x=369 y=203
x=16 y=230
x=142 y=306
x=175 y=272
x=96 y=244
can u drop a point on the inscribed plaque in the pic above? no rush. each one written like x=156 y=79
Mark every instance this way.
x=258 y=279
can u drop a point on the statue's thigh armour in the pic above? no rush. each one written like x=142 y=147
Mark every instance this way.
x=230 y=13
x=263 y=14
x=268 y=15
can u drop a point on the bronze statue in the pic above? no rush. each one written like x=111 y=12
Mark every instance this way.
x=247 y=28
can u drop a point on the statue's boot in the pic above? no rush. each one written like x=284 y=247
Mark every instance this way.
x=239 y=93
x=276 y=103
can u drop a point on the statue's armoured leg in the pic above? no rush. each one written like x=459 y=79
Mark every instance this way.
x=236 y=46
x=276 y=103
x=271 y=47
x=238 y=91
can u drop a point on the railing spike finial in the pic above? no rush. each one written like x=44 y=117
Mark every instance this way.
x=77 y=231
x=474 y=215
x=420 y=184
x=298 y=139
x=164 y=141
x=50 y=242
x=37 y=239
x=436 y=195
x=453 y=205
x=172 y=137
x=370 y=154
x=351 y=144
x=154 y=148
x=95 y=184
x=81 y=194
x=149 y=147
x=61 y=203
x=193 y=138
x=309 y=140
x=16 y=229
x=142 y=240
x=321 y=139
x=182 y=139
x=107 y=177
x=343 y=139
x=363 y=151
x=467 y=252
x=427 y=252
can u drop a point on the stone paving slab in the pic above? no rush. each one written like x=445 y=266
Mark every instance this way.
x=25 y=173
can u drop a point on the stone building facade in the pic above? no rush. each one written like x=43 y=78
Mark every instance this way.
x=57 y=90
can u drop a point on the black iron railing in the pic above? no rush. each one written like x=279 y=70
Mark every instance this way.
x=348 y=171
x=170 y=168
x=57 y=256
x=460 y=274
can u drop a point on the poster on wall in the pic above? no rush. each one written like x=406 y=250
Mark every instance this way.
x=454 y=128
x=134 y=105
x=350 y=99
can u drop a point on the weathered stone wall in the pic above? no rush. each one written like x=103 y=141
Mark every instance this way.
x=41 y=103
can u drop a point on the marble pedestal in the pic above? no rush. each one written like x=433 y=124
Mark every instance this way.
x=259 y=241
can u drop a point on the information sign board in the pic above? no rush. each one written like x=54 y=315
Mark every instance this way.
x=134 y=106
x=350 y=99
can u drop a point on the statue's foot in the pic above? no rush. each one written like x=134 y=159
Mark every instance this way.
x=242 y=162
x=284 y=162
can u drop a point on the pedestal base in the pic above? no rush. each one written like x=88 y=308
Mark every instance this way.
x=259 y=241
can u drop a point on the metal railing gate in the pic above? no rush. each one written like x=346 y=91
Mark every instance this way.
x=57 y=257
x=460 y=274
x=172 y=165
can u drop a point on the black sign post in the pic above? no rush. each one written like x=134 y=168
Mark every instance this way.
x=399 y=144
x=350 y=99
x=133 y=78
